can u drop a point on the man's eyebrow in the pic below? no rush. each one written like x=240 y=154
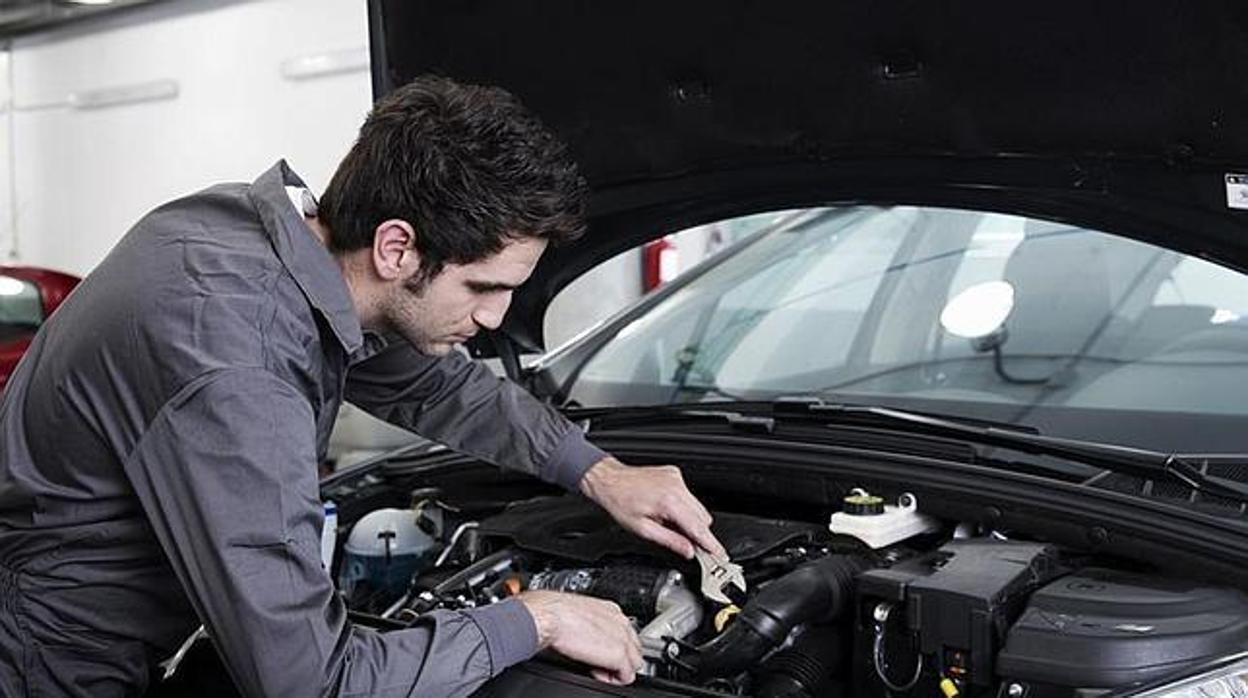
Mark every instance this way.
x=489 y=286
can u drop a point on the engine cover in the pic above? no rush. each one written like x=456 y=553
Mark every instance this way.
x=574 y=528
x=1100 y=628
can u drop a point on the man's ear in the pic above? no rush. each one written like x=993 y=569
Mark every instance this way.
x=394 y=250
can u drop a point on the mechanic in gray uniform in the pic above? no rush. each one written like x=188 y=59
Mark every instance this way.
x=160 y=439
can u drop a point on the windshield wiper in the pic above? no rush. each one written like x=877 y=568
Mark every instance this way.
x=1119 y=459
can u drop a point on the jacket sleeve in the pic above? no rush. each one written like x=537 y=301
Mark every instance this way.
x=461 y=403
x=227 y=477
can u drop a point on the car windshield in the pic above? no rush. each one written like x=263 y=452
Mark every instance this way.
x=1076 y=332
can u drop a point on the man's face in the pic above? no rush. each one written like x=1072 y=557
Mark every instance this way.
x=461 y=299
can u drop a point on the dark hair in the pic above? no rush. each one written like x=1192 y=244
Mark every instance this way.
x=468 y=166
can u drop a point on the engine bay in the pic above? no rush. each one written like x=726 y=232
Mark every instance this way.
x=877 y=598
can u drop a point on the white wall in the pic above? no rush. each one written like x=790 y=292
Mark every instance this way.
x=83 y=176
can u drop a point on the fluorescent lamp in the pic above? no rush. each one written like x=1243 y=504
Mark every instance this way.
x=125 y=94
x=320 y=64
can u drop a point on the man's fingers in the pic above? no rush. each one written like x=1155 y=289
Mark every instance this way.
x=655 y=503
x=624 y=658
x=606 y=677
x=700 y=531
x=632 y=662
x=708 y=542
x=688 y=516
x=593 y=631
x=634 y=651
x=613 y=677
x=679 y=530
x=699 y=510
x=686 y=520
x=666 y=537
x=623 y=668
x=682 y=498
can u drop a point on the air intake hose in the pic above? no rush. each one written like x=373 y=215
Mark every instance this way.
x=816 y=592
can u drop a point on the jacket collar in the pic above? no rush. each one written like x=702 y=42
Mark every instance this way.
x=307 y=260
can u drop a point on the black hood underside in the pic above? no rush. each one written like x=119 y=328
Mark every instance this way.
x=1125 y=115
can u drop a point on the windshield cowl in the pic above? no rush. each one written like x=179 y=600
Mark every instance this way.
x=1190 y=470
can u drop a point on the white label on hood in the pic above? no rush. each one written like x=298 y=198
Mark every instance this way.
x=1237 y=191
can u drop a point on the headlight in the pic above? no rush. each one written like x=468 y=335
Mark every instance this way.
x=1227 y=681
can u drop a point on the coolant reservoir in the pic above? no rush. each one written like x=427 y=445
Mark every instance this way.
x=384 y=550
x=879 y=525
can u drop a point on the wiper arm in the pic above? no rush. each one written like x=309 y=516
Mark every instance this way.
x=1112 y=457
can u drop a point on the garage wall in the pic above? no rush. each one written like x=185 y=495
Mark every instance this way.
x=218 y=97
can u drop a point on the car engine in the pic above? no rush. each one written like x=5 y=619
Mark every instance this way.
x=878 y=599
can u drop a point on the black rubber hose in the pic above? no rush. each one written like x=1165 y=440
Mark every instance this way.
x=807 y=668
x=816 y=592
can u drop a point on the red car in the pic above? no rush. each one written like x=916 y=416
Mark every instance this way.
x=28 y=295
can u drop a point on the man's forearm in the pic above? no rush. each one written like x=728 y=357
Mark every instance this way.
x=462 y=404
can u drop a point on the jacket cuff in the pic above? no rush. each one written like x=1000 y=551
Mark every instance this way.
x=571 y=459
x=510 y=632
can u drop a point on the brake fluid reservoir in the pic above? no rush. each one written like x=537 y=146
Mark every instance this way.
x=879 y=525
x=386 y=547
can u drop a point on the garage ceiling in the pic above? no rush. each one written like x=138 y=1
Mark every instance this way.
x=25 y=16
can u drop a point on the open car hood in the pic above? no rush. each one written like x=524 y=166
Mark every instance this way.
x=1128 y=117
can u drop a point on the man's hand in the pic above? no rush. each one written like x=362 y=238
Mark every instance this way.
x=587 y=630
x=654 y=503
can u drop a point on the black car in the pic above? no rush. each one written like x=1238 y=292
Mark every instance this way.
x=971 y=403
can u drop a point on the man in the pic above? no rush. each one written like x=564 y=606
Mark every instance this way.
x=161 y=436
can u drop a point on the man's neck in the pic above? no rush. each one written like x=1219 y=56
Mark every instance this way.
x=350 y=264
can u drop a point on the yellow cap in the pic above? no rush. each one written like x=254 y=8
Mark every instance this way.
x=948 y=687
x=513 y=586
x=725 y=614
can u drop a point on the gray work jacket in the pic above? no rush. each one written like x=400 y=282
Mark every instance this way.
x=158 y=466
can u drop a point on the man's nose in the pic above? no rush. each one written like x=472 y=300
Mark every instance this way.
x=489 y=313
